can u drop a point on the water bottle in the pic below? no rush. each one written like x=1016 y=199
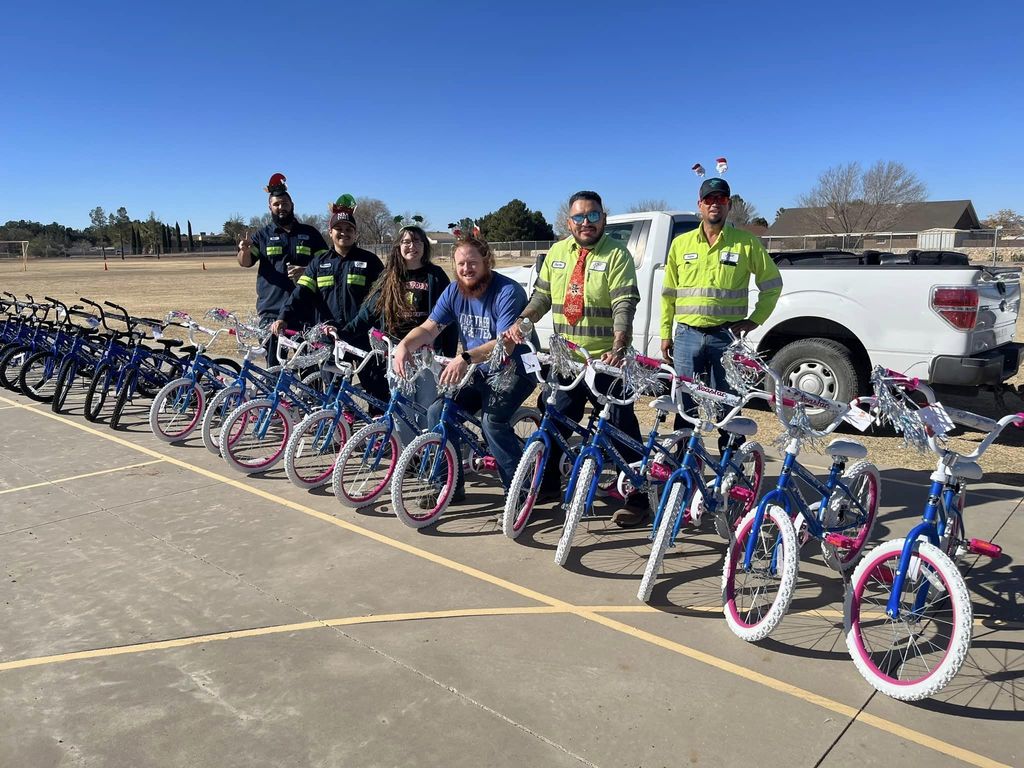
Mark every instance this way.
x=526 y=326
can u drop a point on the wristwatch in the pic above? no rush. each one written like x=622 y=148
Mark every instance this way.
x=466 y=358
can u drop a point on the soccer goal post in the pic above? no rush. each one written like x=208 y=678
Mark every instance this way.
x=15 y=249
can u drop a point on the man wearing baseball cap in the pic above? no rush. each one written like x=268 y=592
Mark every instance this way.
x=707 y=279
x=282 y=248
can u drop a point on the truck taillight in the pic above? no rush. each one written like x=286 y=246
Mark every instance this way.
x=957 y=306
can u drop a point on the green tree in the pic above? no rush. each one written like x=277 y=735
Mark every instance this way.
x=234 y=228
x=514 y=221
x=740 y=211
x=191 y=242
x=98 y=218
x=177 y=236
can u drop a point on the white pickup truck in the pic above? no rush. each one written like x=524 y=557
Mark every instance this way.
x=949 y=325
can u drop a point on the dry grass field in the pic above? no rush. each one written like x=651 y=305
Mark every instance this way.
x=150 y=288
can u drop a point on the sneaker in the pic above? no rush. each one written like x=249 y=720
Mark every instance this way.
x=458 y=496
x=631 y=518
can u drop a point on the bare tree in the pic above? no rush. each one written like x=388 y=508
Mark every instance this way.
x=1006 y=218
x=741 y=212
x=642 y=206
x=318 y=220
x=376 y=222
x=849 y=199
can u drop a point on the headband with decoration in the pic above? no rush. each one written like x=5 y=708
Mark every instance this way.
x=276 y=186
x=721 y=165
x=343 y=209
x=413 y=221
x=464 y=229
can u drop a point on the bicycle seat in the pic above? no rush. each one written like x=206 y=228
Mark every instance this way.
x=968 y=470
x=741 y=425
x=848 y=449
x=664 y=403
x=170 y=343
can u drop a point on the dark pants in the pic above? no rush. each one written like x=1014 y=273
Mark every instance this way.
x=499 y=432
x=572 y=404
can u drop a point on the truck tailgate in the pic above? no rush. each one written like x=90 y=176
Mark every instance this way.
x=998 y=306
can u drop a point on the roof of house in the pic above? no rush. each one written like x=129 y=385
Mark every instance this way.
x=912 y=217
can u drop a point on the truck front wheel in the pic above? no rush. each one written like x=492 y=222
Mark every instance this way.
x=822 y=367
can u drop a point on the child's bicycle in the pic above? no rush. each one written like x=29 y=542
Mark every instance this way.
x=908 y=615
x=639 y=375
x=426 y=474
x=367 y=460
x=759 y=575
x=687 y=496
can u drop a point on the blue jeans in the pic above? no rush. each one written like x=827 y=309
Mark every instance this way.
x=699 y=355
x=424 y=396
x=499 y=433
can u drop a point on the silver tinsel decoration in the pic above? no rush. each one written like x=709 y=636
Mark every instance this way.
x=741 y=376
x=501 y=369
x=639 y=378
x=896 y=408
x=320 y=347
x=563 y=360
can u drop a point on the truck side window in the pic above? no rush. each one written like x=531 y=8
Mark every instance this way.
x=631 y=235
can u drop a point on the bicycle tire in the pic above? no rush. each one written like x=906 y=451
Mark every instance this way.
x=662 y=540
x=124 y=394
x=99 y=387
x=756 y=621
x=730 y=511
x=10 y=365
x=311 y=452
x=223 y=402
x=527 y=479
x=176 y=409
x=65 y=381
x=365 y=466
x=576 y=508
x=415 y=461
x=37 y=377
x=862 y=476
x=249 y=451
x=890 y=653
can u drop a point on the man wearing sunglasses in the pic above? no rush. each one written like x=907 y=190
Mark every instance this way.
x=588 y=282
x=707 y=279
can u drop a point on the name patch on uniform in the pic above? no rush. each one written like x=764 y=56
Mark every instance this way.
x=275 y=238
x=729 y=257
x=327 y=265
x=359 y=264
x=599 y=266
x=689 y=256
x=558 y=265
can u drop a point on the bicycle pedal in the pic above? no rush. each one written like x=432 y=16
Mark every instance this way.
x=839 y=541
x=660 y=472
x=986 y=548
x=738 y=493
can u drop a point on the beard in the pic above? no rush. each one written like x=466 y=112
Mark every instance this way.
x=283 y=219
x=477 y=288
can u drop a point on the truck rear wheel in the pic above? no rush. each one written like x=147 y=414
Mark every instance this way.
x=822 y=367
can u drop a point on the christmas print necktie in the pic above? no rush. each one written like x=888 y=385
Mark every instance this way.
x=572 y=305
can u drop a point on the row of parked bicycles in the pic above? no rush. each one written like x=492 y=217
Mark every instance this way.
x=908 y=615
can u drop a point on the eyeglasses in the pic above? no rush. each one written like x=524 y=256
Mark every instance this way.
x=715 y=200
x=593 y=217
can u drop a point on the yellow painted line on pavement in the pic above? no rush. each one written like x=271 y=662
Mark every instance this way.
x=80 y=477
x=780 y=686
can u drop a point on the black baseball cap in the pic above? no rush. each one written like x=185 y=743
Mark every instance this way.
x=714 y=186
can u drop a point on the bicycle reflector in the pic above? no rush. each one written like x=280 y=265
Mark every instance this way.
x=958 y=306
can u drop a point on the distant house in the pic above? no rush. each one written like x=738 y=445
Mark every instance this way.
x=440 y=237
x=911 y=217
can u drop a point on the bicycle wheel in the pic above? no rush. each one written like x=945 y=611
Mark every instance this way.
x=102 y=378
x=124 y=393
x=38 y=376
x=365 y=465
x=220 y=405
x=313 y=448
x=576 y=508
x=841 y=516
x=756 y=600
x=523 y=490
x=65 y=380
x=254 y=435
x=10 y=365
x=662 y=540
x=175 y=411
x=915 y=656
x=420 y=494
x=740 y=490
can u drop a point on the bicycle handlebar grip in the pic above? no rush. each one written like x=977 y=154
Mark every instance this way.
x=379 y=335
x=649 y=362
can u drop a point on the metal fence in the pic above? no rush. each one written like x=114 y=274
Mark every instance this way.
x=527 y=250
x=994 y=245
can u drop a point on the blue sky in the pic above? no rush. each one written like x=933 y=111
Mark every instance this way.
x=453 y=109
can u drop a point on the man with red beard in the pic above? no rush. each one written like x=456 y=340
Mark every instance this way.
x=485 y=304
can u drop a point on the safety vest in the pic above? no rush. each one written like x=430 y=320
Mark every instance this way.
x=610 y=277
x=707 y=285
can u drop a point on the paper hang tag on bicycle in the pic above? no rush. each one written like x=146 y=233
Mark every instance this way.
x=531 y=364
x=862 y=420
x=936 y=419
x=157 y=332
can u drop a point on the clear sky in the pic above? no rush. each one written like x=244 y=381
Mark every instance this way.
x=452 y=109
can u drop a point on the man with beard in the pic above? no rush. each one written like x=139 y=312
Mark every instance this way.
x=334 y=286
x=282 y=248
x=588 y=281
x=707 y=279
x=485 y=304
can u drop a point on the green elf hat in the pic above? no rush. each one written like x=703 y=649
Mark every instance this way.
x=343 y=209
x=276 y=187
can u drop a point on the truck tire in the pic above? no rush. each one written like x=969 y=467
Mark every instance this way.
x=822 y=367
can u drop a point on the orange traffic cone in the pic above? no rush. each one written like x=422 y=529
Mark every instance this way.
x=204 y=266
x=104 y=265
